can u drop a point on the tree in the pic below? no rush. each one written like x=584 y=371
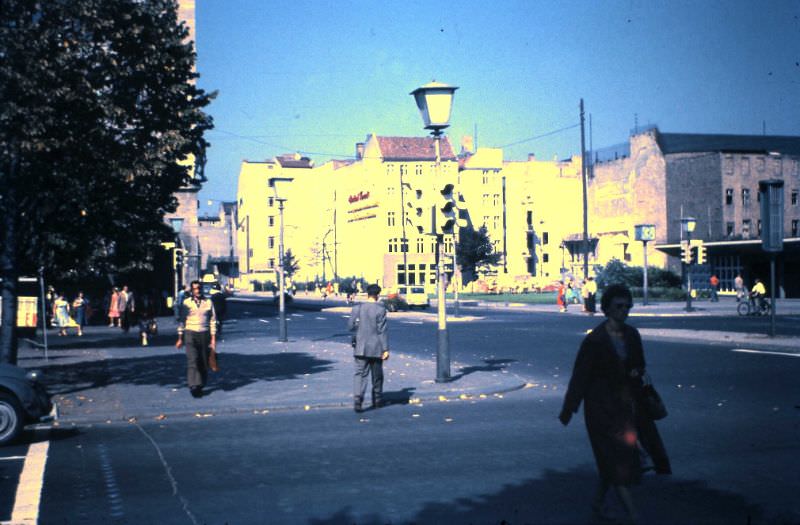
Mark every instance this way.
x=474 y=252
x=99 y=106
x=290 y=264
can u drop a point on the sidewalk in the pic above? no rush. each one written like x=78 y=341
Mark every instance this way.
x=105 y=377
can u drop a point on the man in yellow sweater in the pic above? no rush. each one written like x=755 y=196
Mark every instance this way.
x=197 y=330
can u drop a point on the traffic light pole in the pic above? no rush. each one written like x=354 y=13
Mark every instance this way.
x=443 y=340
x=689 y=274
x=282 y=336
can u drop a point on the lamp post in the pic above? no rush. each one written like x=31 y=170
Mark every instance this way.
x=435 y=101
x=282 y=332
x=177 y=225
x=687 y=225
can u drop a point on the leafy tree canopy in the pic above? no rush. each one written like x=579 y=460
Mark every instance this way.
x=475 y=252
x=99 y=105
x=290 y=264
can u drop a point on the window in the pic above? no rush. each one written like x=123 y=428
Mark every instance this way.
x=745 y=166
x=272 y=263
x=486 y=176
x=794 y=198
x=545 y=238
x=401 y=274
x=729 y=229
x=418 y=169
x=794 y=228
x=746 y=228
x=393 y=245
x=271 y=242
x=403 y=170
x=390 y=191
x=760 y=164
x=496 y=222
x=420 y=245
x=745 y=197
x=545 y=257
x=729 y=196
x=270 y=201
x=728 y=163
x=529 y=218
x=496 y=199
x=390 y=218
x=758 y=226
x=271 y=220
x=404 y=245
x=485 y=199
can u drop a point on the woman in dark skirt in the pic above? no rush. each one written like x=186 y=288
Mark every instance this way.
x=607 y=377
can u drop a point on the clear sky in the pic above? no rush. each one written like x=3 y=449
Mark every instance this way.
x=318 y=76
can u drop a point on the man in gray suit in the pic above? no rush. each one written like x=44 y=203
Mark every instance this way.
x=371 y=346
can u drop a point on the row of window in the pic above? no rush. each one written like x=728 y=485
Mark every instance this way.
x=793 y=197
x=400 y=245
x=730 y=228
x=789 y=166
x=419 y=169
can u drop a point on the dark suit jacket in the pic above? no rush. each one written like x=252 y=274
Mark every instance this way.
x=368 y=320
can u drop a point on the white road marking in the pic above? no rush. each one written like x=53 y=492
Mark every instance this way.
x=12 y=457
x=411 y=322
x=264 y=321
x=749 y=351
x=29 y=490
x=320 y=318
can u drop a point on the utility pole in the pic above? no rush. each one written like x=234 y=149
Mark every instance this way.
x=585 y=199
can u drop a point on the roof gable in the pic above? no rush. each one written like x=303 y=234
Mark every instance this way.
x=413 y=148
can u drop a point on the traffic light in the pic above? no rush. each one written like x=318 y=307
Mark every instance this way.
x=177 y=257
x=686 y=253
x=702 y=256
x=446 y=211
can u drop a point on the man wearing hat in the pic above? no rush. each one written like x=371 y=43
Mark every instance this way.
x=370 y=347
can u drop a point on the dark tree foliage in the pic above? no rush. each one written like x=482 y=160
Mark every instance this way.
x=290 y=264
x=474 y=252
x=98 y=109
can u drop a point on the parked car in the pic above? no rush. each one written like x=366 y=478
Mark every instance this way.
x=23 y=401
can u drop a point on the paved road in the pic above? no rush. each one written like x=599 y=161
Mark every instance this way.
x=732 y=434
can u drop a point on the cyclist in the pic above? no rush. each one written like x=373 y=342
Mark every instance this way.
x=757 y=293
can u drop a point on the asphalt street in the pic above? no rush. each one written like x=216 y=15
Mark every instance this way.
x=733 y=435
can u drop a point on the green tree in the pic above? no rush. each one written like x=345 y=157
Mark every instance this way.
x=290 y=264
x=99 y=106
x=474 y=252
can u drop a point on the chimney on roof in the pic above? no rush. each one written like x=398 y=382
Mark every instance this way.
x=531 y=157
x=359 y=150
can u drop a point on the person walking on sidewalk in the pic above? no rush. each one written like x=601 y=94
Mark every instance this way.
x=590 y=288
x=370 y=348
x=607 y=378
x=79 y=309
x=713 y=281
x=197 y=329
x=738 y=284
x=113 y=308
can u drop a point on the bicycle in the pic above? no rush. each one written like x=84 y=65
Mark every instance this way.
x=762 y=307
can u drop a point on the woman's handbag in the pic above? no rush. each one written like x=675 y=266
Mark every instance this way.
x=652 y=404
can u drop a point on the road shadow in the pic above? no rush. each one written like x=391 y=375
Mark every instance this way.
x=564 y=498
x=398 y=397
x=492 y=365
x=237 y=370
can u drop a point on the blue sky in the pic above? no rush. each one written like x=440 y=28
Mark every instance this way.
x=317 y=76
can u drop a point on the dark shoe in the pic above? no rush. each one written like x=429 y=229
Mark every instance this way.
x=377 y=403
x=357 y=405
x=197 y=391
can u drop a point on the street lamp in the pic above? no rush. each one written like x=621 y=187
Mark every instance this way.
x=687 y=225
x=435 y=101
x=282 y=335
x=177 y=225
x=645 y=233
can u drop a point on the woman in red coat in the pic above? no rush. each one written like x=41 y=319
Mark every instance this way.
x=607 y=378
x=561 y=298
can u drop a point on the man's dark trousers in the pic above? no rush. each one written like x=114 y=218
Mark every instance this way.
x=364 y=367
x=197 y=351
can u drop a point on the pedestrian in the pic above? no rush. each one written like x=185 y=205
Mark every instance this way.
x=607 y=378
x=590 y=289
x=738 y=284
x=561 y=297
x=713 y=281
x=125 y=305
x=79 y=310
x=370 y=347
x=197 y=330
x=113 y=308
x=146 y=313
x=183 y=293
x=220 y=305
x=61 y=314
